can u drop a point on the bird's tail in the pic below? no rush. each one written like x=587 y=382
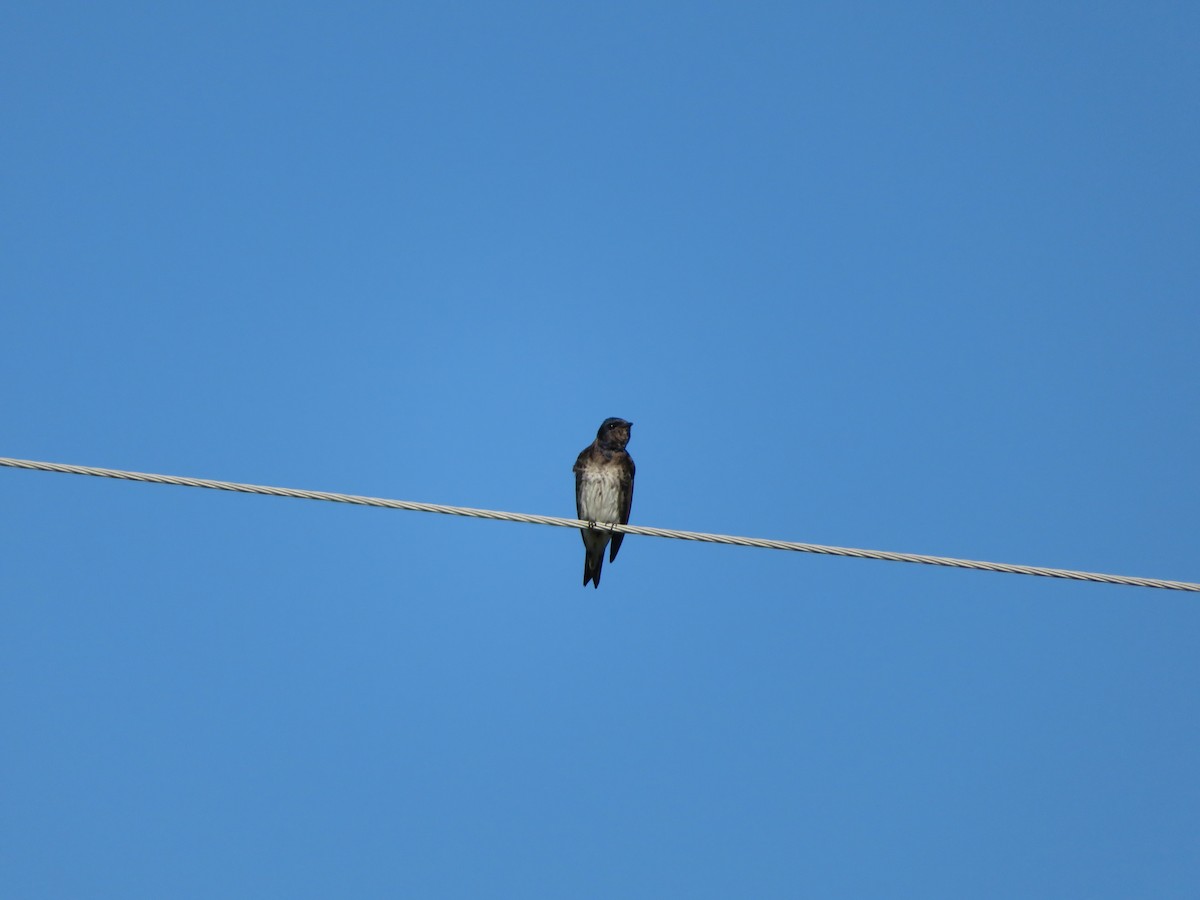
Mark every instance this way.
x=593 y=562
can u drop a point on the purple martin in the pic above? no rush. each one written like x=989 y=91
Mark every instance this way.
x=603 y=493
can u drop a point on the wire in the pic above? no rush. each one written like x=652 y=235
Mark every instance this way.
x=603 y=526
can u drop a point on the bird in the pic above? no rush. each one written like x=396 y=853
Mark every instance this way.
x=603 y=493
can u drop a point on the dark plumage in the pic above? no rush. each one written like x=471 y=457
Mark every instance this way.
x=604 y=493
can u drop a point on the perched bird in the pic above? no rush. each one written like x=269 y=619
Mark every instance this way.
x=603 y=493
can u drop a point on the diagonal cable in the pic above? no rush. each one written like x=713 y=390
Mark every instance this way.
x=561 y=522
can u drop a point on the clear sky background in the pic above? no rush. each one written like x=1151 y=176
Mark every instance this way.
x=918 y=277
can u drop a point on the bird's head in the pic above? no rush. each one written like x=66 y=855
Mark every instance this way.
x=614 y=434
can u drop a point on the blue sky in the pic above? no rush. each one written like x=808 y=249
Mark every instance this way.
x=918 y=277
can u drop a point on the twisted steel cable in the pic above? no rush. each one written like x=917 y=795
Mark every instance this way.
x=623 y=529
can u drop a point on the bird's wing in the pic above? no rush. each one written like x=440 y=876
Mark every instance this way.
x=578 y=469
x=627 y=473
x=627 y=484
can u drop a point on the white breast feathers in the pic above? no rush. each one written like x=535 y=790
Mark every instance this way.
x=598 y=495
